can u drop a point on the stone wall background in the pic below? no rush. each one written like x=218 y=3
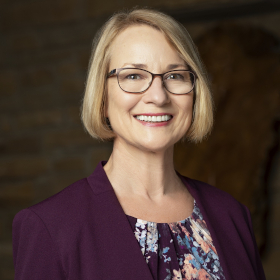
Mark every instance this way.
x=44 y=52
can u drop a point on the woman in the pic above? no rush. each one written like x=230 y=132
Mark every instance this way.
x=135 y=217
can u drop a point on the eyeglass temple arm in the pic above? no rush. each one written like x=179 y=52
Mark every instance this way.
x=111 y=73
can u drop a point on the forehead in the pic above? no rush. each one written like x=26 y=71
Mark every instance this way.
x=142 y=44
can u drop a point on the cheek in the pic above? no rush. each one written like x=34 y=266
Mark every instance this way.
x=112 y=100
x=120 y=103
x=186 y=112
x=185 y=104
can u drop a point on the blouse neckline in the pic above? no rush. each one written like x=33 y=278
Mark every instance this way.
x=181 y=221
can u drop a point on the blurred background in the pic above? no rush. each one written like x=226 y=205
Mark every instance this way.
x=44 y=54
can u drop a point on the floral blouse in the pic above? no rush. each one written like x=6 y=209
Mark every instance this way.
x=180 y=250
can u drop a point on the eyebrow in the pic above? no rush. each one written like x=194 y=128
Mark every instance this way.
x=136 y=65
x=174 y=66
x=144 y=66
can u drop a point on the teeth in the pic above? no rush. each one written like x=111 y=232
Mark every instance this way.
x=154 y=118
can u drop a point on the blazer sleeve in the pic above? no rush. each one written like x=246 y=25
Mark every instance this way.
x=34 y=253
x=256 y=256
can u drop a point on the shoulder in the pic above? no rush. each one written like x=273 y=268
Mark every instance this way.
x=207 y=190
x=216 y=198
x=74 y=194
x=220 y=207
x=70 y=203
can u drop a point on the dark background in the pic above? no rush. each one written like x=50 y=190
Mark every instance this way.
x=44 y=53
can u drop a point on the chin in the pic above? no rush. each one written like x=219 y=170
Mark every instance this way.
x=155 y=146
x=150 y=143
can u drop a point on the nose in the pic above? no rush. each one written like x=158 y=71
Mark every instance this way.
x=156 y=93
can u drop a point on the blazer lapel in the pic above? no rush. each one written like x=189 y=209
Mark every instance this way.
x=120 y=249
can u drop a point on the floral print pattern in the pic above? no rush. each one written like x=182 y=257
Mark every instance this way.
x=181 y=250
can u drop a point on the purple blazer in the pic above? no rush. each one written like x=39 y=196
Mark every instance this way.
x=82 y=233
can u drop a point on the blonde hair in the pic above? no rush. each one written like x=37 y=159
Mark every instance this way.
x=94 y=102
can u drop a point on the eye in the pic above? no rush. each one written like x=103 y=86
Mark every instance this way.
x=175 y=76
x=133 y=77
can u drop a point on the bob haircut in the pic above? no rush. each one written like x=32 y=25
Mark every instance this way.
x=95 y=98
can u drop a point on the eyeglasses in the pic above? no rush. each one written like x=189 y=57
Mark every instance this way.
x=136 y=80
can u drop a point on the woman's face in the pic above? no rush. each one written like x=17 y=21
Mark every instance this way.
x=145 y=47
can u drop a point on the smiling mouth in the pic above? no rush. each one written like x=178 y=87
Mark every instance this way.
x=154 y=119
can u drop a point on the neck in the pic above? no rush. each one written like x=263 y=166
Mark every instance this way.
x=150 y=175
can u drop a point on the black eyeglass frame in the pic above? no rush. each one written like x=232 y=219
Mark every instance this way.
x=117 y=70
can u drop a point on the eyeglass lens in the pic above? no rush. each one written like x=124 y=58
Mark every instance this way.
x=137 y=80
